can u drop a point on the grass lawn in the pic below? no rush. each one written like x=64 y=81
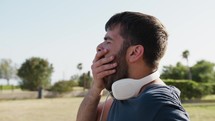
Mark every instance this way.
x=201 y=111
x=61 y=109
x=65 y=109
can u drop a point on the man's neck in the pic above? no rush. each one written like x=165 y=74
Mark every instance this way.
x=138 y=72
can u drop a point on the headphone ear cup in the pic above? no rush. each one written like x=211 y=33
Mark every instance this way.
x=125 y=88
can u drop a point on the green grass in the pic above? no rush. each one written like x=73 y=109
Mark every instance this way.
x=201 y=111
x=65 y=109
x=209 y=97
x=8 y=87
x=61 y=109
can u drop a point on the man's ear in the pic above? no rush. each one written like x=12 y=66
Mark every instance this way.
x=135 y=53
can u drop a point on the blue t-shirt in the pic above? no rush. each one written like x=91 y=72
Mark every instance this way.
x=155 y=103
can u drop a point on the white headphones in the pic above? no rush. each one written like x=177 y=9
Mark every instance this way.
x=127 y=88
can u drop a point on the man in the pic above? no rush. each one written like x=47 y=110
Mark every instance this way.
x=132 y=48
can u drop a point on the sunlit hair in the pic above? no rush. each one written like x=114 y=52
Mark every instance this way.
x=141 y=29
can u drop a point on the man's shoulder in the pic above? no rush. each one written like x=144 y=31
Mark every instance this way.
x=160 y=91
x=166 y=103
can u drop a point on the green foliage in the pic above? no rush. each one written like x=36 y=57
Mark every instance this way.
x=7 y=70
x=185 y=54
x=85 y=80
x=191 y=89
x=175 y=72
x=205 y=88
x=203 y=71
x=213 y=87
x=35 y=72
x=80 y=66
x=63 y=86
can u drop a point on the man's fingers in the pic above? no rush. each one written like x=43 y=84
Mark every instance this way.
x=105 y=67
x=105 y=73
x=102 y=65
x=104 y=61
x=99 y=55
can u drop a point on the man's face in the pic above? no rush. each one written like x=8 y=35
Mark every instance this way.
x=113 y=42
x=121 y=70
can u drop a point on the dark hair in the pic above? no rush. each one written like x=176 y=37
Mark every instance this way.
x=141 y=29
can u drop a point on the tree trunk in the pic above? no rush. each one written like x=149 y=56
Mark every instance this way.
x=190 y=74
x=189 y=71
x=40 y=93
x=8 y=81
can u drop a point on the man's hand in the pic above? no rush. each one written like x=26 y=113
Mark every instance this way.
x=102 y=67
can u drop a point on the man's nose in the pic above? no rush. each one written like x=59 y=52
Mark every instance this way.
x=99 y=48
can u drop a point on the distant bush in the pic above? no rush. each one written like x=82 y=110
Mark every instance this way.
x=213 y=87
x=191 y=89
x=85 y=80
x=63 y=86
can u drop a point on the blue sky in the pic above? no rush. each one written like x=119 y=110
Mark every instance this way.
x=66 y=32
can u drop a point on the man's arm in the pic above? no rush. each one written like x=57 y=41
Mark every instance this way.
x=101 y=67
x=88 y=108
x=106 y=105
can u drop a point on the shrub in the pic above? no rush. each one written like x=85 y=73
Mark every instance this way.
x=213 y=88
x=190 y=89
x=63 y=86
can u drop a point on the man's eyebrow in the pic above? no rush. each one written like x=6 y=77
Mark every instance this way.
x=108 y=38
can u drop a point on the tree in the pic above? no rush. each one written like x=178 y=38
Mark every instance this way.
x=74 y=77
x=35 y=73
x=203 y=71
x=186 y=55
x=7 y=70
x=85 y=80
x=79 y=66
x=174 y=72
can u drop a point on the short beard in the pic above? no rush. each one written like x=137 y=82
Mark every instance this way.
x=121 y=70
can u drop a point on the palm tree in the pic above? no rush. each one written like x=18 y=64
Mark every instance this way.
x=186 y=55
x=79 y=66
